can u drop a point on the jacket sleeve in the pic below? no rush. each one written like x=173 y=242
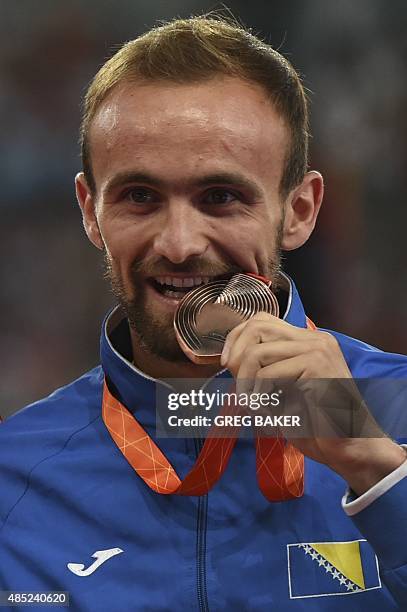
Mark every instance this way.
x=382 y=520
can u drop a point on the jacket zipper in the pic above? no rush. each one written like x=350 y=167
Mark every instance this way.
x=201 y=543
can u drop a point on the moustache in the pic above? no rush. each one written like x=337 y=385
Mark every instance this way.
x=197 y=267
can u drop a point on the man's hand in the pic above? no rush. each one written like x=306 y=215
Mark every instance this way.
x=265 y=348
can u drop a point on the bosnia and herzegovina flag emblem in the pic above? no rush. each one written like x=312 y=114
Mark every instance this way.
x=318 y=569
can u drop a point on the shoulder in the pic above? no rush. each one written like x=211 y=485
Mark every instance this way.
x=43 y=429
x=66 y=408
x=366 y=361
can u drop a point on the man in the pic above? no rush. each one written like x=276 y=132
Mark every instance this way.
x=195 y=167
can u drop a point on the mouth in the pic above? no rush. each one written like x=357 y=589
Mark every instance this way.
x=176 y=287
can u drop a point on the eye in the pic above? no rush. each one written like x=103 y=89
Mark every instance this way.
x=140 y=195
x=220 y=197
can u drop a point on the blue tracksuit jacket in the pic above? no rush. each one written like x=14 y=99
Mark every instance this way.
x=68 y=497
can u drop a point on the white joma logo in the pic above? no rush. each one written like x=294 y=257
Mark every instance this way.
x=100 y=555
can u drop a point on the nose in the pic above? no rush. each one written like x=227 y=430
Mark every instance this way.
x=181 y=233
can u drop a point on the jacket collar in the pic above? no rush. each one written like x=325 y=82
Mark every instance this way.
x=130 y=385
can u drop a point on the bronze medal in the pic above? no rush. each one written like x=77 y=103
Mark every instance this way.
x=207 y=314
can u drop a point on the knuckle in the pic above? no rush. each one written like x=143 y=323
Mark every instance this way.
x=250 y=352
x=253 y=324
x=328 y=341
x=230 y=336
x=261 y=316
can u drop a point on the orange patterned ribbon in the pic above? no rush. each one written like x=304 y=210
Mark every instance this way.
x=150 y=462
x=280 y=466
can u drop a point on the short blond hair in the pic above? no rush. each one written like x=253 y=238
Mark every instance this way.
x=200 y=48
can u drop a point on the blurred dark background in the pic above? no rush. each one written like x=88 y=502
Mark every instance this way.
x=353 y=56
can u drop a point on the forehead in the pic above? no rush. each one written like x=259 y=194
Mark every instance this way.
x=223 y=124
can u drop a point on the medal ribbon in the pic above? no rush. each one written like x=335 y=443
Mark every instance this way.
x=279 y=465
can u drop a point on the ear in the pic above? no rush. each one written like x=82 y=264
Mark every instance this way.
x=86 y=202
x=301 y=211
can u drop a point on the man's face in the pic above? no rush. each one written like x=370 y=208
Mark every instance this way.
x=187 y=180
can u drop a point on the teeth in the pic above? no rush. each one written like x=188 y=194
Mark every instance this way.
x=174 y=281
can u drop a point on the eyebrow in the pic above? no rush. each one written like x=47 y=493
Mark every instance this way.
x=219 y=178
x=132 y=177
x=229 y=178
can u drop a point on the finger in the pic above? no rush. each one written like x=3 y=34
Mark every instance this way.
x=230 y=340
x=287 y=330
x=266 y=379
x=236 y=331
x=292 y=368
x=262 y=332
x=258 y=356
x=234 y=334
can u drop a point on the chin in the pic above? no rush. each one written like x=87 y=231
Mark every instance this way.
x=157 y=338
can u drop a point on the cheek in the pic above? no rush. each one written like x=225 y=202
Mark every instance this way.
x=249 y=244
x=124 y=241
